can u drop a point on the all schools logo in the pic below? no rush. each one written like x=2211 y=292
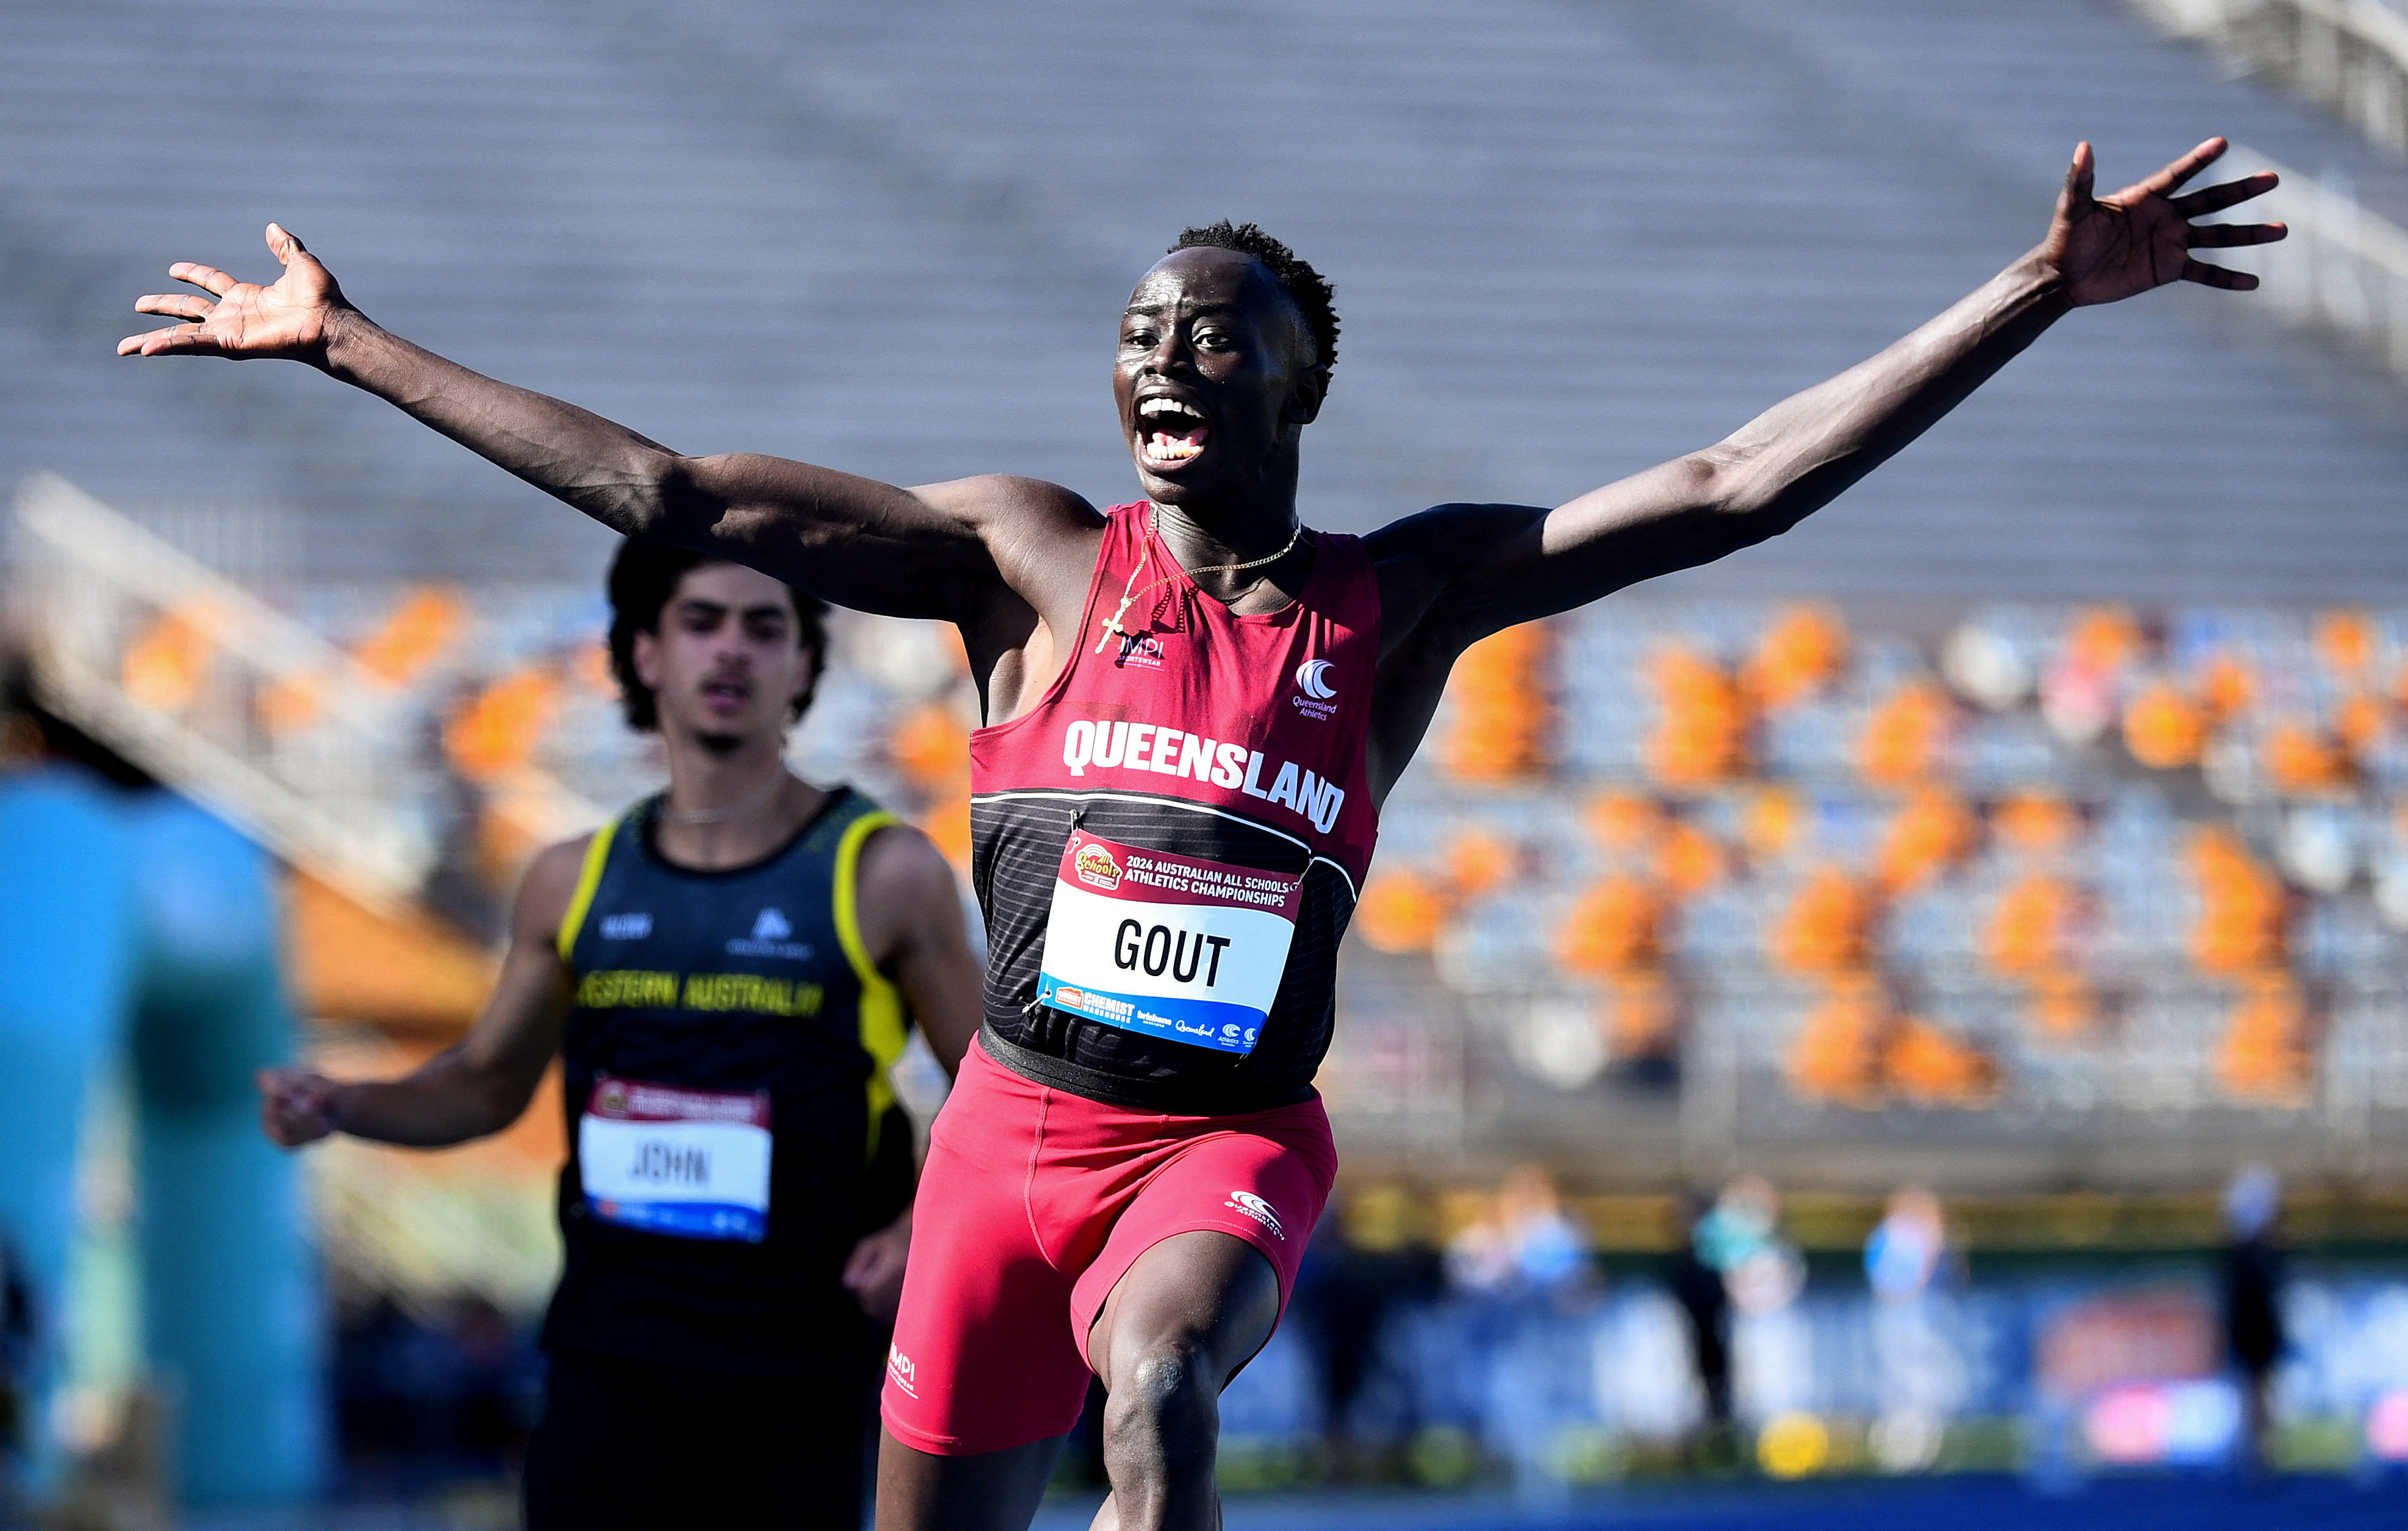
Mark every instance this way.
x=1315 y=697
x=906 y=1375
x=772 y=937
x=1096 y=868
x=1260 y=1210
x=627 y=927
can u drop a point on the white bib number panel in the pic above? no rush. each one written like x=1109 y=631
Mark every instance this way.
x=1171 y=946
x=692 y=1164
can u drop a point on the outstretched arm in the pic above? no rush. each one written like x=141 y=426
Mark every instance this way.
x=478 y=1085
x=1493 y=565
x=856 y=542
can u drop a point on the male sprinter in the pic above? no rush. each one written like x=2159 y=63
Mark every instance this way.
x=726 y=971
x=1194 y=706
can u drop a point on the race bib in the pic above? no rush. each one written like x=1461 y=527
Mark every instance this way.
x=1168 y=945
x=693 y=1164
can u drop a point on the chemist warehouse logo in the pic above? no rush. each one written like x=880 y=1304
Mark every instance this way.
x=1087 y=743
x=1315 y=697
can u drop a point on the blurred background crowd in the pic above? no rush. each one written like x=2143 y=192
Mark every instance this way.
x=1929 y=995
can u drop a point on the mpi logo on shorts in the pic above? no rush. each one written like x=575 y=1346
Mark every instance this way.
x=900 y=1368
x=1257 y=1208
x=1097 y=867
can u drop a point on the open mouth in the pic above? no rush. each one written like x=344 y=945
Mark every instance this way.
x=727 y=691
x=1169 y=433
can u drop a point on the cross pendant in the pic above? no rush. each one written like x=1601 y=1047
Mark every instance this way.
x=1112 y=624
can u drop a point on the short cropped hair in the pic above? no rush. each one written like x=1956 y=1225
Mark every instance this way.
x=643 y=577
x=1304 y=287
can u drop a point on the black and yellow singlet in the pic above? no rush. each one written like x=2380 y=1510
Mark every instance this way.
x=732 y=1132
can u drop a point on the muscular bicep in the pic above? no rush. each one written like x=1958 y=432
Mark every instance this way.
x=1456 y=573
x=913 y=923
x=847 y=539
x=946 y=551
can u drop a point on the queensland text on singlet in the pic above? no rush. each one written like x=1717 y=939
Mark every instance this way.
x=1169 y=847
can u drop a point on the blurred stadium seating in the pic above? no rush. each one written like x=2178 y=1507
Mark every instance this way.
x=2053 y=870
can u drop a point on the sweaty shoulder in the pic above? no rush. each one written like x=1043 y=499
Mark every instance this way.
x=1423 y=561
x=1043 y=541
x=1031 y=528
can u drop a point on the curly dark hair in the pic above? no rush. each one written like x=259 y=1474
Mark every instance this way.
x=1310 y=292
x=643 y=577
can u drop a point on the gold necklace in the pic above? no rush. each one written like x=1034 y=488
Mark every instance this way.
x=1111 y=624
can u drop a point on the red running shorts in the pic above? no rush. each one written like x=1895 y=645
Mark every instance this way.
x=1033 y=1203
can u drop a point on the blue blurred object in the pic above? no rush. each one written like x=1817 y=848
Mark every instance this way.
x=66 y=945
x=232 y=1304
x=144 y=924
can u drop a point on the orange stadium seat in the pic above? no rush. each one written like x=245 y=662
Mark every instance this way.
x=1804 y=649
x=2163 y=728
x=416 y=634
x=1903 y=740
x=1825 y=926
x=1703 y=737
x=1400 y=912
x=1611 y=929
x=1932 y=830
x=2240 y=919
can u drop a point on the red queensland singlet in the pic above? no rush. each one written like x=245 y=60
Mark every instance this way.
x=1169 y=847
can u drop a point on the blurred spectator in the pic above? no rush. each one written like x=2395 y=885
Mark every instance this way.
x=2252 y=1283
x=1741 y=1238
x=1528 y=1248
x=1362 y=1267
x=1697 y=1287
x=1904 y=1249
x=1919 y=1375
x=1772 y=1364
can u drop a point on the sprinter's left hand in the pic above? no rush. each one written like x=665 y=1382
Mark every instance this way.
x=2107 y=248
x=874 y=1273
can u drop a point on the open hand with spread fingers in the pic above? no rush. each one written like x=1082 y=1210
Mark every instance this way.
x=241 y=320
x=2112 y=246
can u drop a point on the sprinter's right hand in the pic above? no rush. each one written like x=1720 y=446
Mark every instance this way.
x=242 y=320
x=296 y=1107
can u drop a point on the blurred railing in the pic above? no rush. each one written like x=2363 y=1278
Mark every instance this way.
x=2349 y=56
x=2344 y=270
x=211 y=690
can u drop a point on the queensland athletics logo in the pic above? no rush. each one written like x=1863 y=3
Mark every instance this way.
x=1315 y=697
x=1096 y=868
x=1260 y=1210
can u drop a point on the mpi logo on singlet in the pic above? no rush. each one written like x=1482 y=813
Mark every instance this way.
x=1096 y=868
